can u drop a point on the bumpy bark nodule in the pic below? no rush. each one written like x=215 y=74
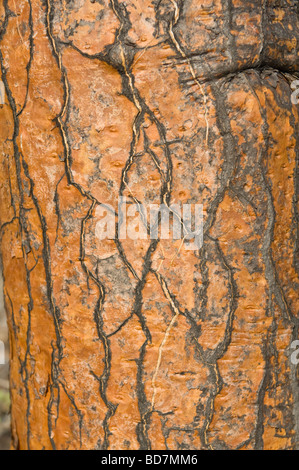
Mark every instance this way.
x=123 y=344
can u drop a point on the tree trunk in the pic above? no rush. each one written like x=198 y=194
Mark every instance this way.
x=146 y=344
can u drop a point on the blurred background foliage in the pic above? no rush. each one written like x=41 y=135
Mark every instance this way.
x=4 y=383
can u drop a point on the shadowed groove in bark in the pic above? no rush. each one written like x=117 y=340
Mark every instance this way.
x=22 y=225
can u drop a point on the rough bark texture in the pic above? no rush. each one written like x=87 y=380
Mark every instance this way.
x=128 y=345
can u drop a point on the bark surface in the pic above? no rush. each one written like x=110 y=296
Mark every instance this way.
x=123 y=344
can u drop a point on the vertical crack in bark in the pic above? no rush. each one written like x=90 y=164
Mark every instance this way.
x=228 y=16
x=181 y=51
x=176 y=311
x=263 y=31
x=271 y=275
x=103 y=380
x=97 y=313
x=143 y=110
x=120 y=55
x=271 y=272
x=23 y=228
